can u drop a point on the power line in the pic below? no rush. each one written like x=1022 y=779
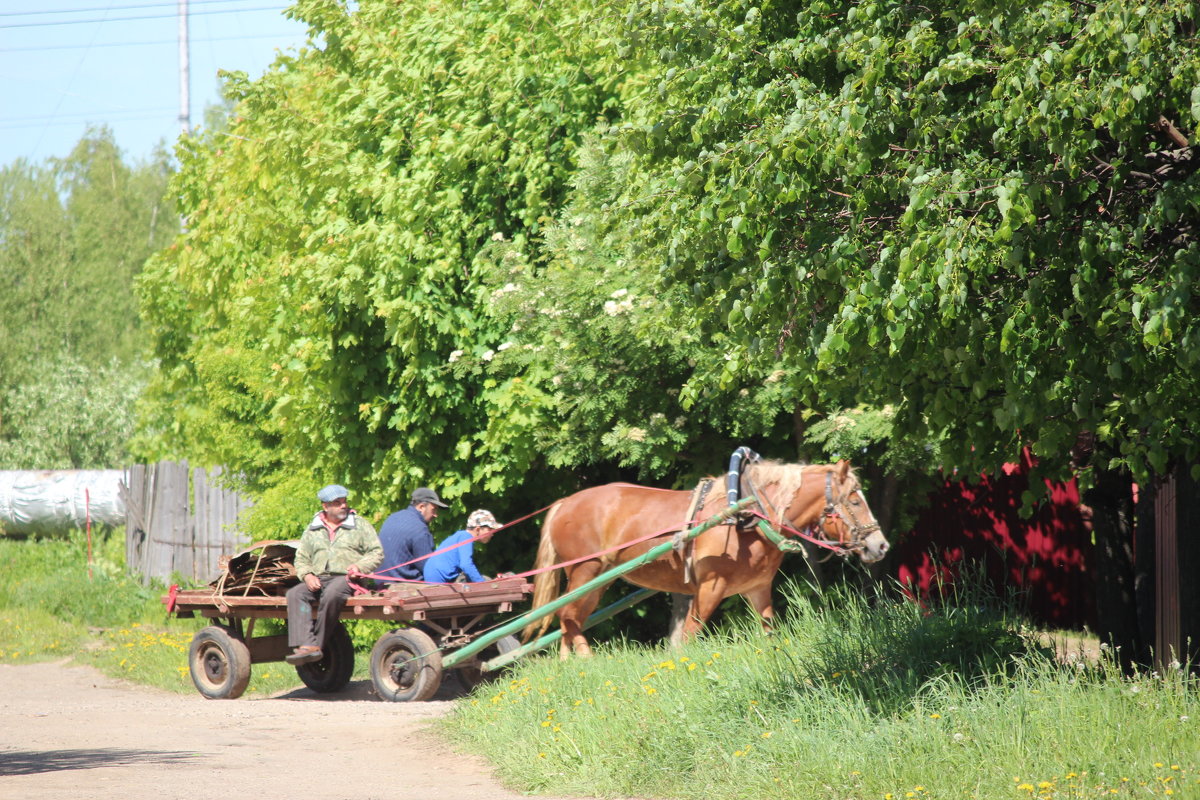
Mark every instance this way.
x=81 y=114
x=110 y=8
x=131 y=19
x=36 y=48
x=108 y=118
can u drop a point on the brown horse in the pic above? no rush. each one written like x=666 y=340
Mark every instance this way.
x=824 y=500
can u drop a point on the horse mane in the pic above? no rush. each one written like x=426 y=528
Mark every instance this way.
x=779 y=480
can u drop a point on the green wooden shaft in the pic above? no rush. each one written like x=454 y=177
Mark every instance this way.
x=470 y=649
x=550 y=638
x=774 y=537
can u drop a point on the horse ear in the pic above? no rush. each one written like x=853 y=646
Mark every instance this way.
x=843 y=469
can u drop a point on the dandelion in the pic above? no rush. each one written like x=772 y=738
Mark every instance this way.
x=766 y=734
x=935 y=716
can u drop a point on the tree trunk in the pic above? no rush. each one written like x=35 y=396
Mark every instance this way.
x=1108 y=513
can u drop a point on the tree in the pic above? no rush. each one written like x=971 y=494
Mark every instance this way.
x=306 y=319
x=73 y=233
x=980 y=213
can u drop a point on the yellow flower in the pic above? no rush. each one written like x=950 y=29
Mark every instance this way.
x=650 y=689
x=1045 y=785
x=1158 y=764
x=1026 y=787
x=935 y=716
x=766 y=734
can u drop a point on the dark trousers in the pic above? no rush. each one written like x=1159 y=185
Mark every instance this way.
x=329 y=600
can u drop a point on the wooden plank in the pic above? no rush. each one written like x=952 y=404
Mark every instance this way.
x=488 y=597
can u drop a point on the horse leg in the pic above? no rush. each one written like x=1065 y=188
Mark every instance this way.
x=760 y=598
x=573 y=615
x=709 y=595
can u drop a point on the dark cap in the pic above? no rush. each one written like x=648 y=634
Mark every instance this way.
x=426 y=495
x=331 y=493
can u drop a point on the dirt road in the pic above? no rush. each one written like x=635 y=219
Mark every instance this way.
x=69 y=731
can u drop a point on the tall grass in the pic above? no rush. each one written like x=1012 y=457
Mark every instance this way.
x=55 y=604
x=851 y=698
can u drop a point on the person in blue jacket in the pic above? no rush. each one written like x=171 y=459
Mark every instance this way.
x=445 y=566
x=406 y=538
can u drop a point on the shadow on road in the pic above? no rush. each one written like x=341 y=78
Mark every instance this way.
x=33 y=762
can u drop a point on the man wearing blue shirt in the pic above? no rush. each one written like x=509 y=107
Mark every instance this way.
x=406 y=538
x=446 y=565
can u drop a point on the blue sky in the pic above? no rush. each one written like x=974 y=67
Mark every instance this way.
x=65 y=64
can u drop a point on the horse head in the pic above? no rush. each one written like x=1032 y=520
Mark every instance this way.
x=824 y=504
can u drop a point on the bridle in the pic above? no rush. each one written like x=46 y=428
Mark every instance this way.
x=816 y=532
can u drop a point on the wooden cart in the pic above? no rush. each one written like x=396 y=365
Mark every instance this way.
x=406 y=663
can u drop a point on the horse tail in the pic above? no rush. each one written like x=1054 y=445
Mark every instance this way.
x=545 y=584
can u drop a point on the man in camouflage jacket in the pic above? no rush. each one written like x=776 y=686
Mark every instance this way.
x=337 y=546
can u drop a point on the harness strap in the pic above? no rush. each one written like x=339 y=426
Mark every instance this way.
x=684 y=546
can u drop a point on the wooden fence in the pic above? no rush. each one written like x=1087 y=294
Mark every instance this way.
x=179 y=521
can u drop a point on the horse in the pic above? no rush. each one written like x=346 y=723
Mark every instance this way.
x=825 y=501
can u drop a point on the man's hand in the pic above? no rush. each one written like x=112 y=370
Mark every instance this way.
x=353 y=571
x=312 y=582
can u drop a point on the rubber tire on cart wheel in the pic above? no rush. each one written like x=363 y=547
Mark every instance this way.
x=219 y=663
x=332 y=673
x=406 y=665
x=471 y=676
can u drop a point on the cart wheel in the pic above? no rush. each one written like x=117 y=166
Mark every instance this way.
x=333 y=671
x=406 y=665
x=219 y=663
x=470 y=675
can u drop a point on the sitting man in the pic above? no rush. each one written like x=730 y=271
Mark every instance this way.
x=406 y=538
x=445 y=566
x=338 y=545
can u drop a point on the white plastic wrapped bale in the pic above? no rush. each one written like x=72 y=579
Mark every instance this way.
x=59 y=500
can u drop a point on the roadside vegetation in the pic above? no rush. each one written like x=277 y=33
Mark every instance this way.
x=852 y=697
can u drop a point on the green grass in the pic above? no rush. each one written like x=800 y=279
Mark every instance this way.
x=850 y=699
x=51 y=608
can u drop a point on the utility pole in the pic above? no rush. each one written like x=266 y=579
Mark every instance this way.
x=185 y=102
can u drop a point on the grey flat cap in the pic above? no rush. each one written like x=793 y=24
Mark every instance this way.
x=332 y=492
x=426 y=495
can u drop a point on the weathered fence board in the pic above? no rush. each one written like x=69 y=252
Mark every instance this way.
x=179 y=521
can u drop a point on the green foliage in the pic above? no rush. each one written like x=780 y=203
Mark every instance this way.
x=974 y=212
x=69 y=415
x=305 y=321
x=73 y=233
